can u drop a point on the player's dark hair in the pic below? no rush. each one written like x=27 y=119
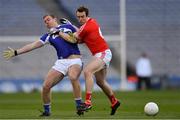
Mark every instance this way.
x=83 y=9
x=53 y=16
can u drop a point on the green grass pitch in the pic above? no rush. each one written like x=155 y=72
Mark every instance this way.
x=26 y=106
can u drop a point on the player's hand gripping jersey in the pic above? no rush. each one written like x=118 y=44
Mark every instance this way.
x=63 y=48
x=90 y=34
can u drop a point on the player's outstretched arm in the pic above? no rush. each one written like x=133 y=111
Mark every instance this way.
x=10 y=52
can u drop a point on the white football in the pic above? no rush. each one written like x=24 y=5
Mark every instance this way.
x=151 y=109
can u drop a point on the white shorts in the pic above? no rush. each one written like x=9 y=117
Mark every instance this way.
x=62 y=65
x=106 y=56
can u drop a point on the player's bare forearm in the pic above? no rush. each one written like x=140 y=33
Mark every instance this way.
x=10 y=52
x=68 y=37
x=29 y=47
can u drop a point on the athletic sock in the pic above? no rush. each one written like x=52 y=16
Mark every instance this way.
x=113 y=100
x=88 y=97
x=78 y=101
x=47 y=108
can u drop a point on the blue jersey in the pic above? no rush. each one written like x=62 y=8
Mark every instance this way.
x=63 y=48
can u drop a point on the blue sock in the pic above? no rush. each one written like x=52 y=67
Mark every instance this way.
x=47 y=108
x=78 y=101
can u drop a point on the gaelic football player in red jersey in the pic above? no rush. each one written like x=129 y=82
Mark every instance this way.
x=90 y=34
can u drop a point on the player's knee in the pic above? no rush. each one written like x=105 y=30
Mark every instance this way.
x=73 y=78
x=46 y=87
x=87 y=73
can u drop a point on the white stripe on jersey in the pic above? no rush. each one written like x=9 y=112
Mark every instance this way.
x=46 y=40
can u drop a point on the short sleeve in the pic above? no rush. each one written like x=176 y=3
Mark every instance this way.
x=45 y=38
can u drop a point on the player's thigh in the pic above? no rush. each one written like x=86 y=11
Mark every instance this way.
x=94 y=65
x=74 y=72
x=53 y=77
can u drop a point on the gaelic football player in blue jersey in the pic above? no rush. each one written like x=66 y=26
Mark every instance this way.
x=68 y=63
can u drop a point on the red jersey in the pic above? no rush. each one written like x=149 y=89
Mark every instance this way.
x=90 y=34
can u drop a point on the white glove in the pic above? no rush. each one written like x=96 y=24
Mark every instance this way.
x=9 y=53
